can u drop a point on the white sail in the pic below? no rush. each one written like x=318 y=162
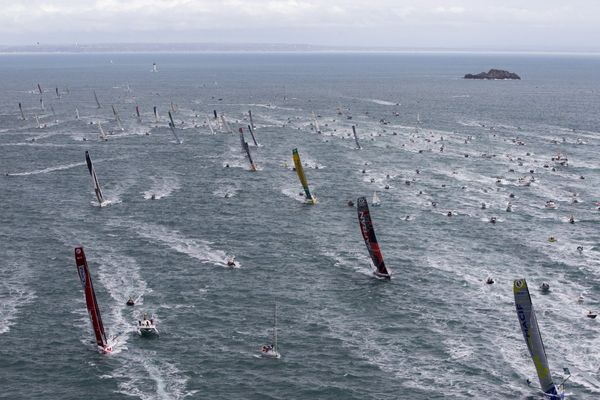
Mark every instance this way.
x=76 y=113
x=102 y=133
x=225 y=124
x=37 y=120
x=117 y=118
x=210 y=126
x=376 y=201
x=317 y=128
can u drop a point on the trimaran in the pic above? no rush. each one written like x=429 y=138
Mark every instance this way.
x=533 y=339
x=90 y=301
x=368 y=233
x=310 y=198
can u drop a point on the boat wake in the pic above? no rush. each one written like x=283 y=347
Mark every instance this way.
x=162 y=186
x=49 y=169
x=195 y=248
x=14 y=294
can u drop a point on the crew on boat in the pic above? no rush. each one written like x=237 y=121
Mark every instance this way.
x=267 y=348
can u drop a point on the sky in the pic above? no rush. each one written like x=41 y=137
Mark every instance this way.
x=535 y=25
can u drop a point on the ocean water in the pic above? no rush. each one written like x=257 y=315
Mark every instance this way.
x=436 y=330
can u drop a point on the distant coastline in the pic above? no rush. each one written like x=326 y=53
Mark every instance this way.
x=145 y=48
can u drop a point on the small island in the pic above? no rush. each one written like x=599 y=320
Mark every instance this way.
x=493 y=74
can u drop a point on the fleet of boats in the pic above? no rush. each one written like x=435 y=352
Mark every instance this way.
x=147 y=326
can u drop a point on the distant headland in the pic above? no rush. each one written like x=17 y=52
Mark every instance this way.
x=493 y=74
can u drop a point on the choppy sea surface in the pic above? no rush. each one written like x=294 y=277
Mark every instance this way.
x=437 y=142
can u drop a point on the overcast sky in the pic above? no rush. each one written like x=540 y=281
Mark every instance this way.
x=568 y=25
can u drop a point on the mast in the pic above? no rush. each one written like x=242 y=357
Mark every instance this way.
x=275 y=328
x=90 y=299
x=368 y=233
x=532 y=336
x=92 y=171
x=356 y=138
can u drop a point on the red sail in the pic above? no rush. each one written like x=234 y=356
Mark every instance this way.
x=366 y=228
x=90 y=298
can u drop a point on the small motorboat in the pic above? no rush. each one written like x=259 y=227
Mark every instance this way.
x=130 y=302
x=591 y=314
x=545 y=287
x=231 y=262
x=550 y=205
x=147 y=327
x=493 y=220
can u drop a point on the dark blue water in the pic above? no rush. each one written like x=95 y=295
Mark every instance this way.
x=434 y=331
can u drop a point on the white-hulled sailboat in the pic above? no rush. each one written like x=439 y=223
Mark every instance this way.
x=271 y=350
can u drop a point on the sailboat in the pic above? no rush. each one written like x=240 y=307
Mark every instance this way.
x=246 y=148
x=97 y=101
x=226 y=124
x=376 y=202
x=53 y=113
x=317 y=127
x=57 y=93
x=212 y=131
x=251 y=129
x=117 y=118
x=102 y=133
x=310 y=199
x=533 y=339
x=137 y=113
x=76 y=113
x=90 y=301
x=40 y=89
x=154 y=68
x=22 y=113
x=356 y=138
x=101 y=201
x=368 y=233
x=155 y=114
x=270 y=350
x=172 y=126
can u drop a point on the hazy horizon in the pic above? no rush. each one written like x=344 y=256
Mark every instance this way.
x=545 y=26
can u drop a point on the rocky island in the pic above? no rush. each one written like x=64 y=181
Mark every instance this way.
x=493 y=74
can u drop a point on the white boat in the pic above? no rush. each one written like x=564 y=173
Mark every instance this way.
x=376 y=202
x=147 y=327
x=551 y=205
x=270 y=350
